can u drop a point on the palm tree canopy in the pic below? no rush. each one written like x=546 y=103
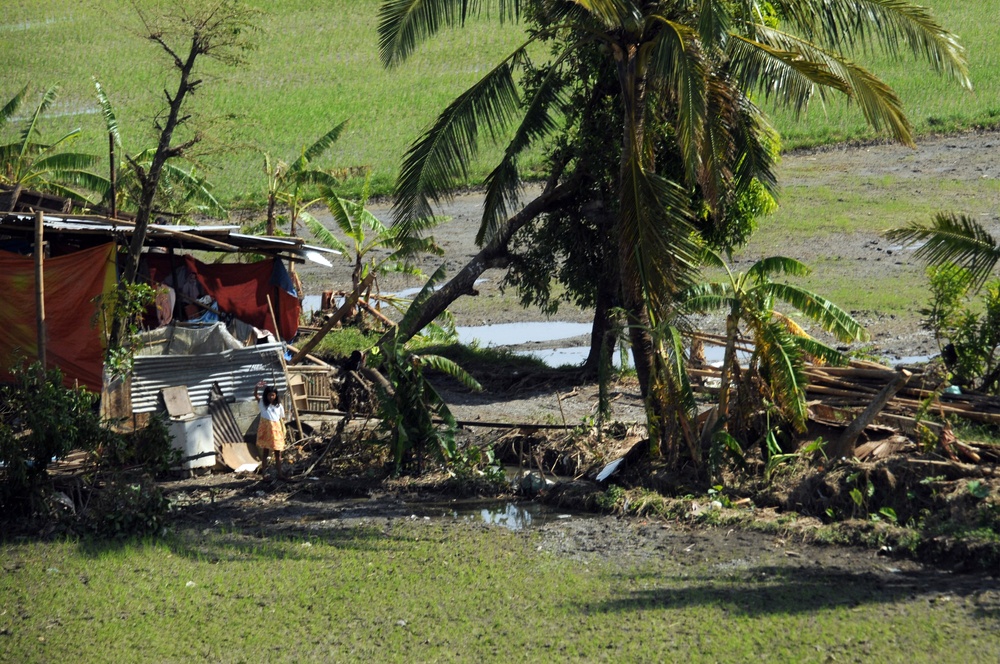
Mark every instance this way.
x=810 y=50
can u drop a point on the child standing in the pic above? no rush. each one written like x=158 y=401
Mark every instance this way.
x=271 y=430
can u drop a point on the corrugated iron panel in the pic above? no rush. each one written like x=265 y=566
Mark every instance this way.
x=236 y=371
x=224 y=425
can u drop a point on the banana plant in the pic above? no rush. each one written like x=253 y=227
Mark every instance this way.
x=780 y=345
x=409 y=411
x=293 y=183
x=371 y=245
x=30 y=163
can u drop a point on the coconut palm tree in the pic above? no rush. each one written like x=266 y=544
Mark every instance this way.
x=779 y=344
x=28 y=162
x=686 y=66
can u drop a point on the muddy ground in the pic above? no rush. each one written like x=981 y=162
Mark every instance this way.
x=268 y=506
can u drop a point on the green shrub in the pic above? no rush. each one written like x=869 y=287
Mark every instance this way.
x=40 y=420
x=127 y=505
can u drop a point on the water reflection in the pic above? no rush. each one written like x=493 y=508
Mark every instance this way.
x=512 y=516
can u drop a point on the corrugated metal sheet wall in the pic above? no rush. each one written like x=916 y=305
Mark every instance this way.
x=236 y=371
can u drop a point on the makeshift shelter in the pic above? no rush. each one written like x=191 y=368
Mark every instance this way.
x=79 y=264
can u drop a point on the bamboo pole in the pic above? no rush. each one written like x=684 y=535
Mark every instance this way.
x=40 y=288
x=348 y=305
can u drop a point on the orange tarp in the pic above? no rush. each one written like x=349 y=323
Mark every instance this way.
x=74 y=343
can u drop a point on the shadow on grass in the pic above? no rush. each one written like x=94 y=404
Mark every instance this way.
x=774 y=590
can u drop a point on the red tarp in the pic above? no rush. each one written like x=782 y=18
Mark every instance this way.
x=71 y=282
x=240 y=289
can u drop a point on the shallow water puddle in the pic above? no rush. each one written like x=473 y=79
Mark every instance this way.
x=510 y=515
x=515 y=334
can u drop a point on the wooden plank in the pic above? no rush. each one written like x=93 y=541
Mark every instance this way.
x=177 y=400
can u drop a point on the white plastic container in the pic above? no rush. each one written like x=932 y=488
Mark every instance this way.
x=193 y=435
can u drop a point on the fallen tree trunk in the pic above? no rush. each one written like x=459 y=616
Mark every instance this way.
x=845 y=446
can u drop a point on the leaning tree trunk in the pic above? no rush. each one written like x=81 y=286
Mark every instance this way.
x=493 y=255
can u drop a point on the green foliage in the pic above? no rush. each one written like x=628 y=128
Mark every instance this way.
x=780 y=346
x=31 y=163
x=410 y=409
x=295 y=184
x=127 y=505
x=612 y=499
x=126 y=304
x=478 y=465
x=978 y=489
x=343 y=341
x=372 y=246
x=969 y=339
x=150 y=447
x=40 y=420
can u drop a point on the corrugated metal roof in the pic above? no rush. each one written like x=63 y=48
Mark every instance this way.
x=236 y=371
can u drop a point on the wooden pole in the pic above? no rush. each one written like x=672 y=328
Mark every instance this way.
x=349 y=303
x=40 y=287
x=284 y=368
x=113 y=175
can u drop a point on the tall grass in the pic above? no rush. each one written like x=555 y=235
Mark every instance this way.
x=317 y=65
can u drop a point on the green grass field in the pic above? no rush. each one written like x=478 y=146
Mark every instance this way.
x=317 y=65
x=427 y=592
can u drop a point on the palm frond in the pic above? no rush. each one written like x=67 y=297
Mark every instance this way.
x=676 y=63
x=443 y=154
x=767 y=267
x=828 y=315
x=84 y=180
x=820 y=350
x=503 y=184
x=196 y=188
x=892 y=25
x=713 y=23
x=316 y=149
x=778 y=351
x=313 y=177
x=404 y=24
x=702 y=298
x=879 y=104
x=784 y=75
x=656 y=226
x=449 y=367
x=953 y=238
x=341 y=214
x=31 y=128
